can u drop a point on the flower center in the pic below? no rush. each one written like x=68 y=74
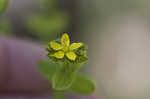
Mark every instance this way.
x=65 y=49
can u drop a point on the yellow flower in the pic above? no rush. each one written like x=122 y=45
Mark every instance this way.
x=65 y=48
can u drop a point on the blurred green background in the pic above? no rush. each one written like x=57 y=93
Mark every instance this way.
x=116 y=31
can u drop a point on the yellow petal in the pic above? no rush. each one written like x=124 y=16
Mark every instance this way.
x=55 y=46
x=59 y=54
x=65 y=40
x=71 y=55
x=74 y=46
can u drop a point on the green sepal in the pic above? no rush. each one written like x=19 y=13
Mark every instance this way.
x=81 y=59
x=82 y=85
x=47 y=69
x=3 y=5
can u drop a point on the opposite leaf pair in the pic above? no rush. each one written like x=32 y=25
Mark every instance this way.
x=81 y=84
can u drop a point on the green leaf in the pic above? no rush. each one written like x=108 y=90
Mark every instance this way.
x=75 y=66
x=3 y=5
x=63 y=78
x=82 y=85
x=47 y=69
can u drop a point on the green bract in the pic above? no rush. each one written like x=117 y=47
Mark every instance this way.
x=81 y=84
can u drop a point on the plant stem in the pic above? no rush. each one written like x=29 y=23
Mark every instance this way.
x=58 y=94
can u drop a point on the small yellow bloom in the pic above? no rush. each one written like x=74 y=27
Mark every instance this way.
x=65 y=48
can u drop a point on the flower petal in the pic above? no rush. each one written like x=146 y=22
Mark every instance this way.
x=55 y=46
x=74 y=46
x=59 y=54
x=65 y=40
x=71 y=55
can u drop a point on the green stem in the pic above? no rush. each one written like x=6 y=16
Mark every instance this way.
x=58 y=94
